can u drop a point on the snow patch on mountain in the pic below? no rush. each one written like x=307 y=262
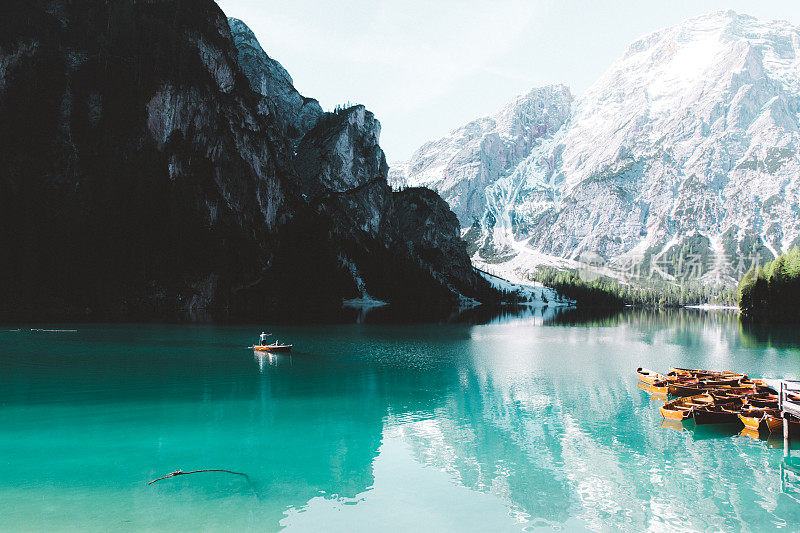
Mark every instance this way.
x=531 y=293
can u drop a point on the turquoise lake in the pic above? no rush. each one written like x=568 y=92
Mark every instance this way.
x=512 y=425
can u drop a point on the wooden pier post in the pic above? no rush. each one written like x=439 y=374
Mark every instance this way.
x=785 y=416
x=786 y=408
x=786 y=439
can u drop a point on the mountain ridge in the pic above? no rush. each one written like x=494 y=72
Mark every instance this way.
x=683 y=151
x=150 y=170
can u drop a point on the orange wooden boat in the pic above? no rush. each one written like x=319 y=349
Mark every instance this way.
x=273 y=347
x=659 y=387
x=700 y=373
x=763 y=400
x=682 y=408
x=648 y=376
x=761 y=419
x=716 y=414
x=730 y=394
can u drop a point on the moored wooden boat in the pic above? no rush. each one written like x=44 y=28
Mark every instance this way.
x=655 y=395
x=726 y=396
x=748 y=383
x=659 y=387
x=775 y=423
x=689 y=388
x=721 y=383
x=681 y=408
x=684 y=389
x=715 y=414
x=763 y=399
x=700 y=373
x=762 y=386
x=760 y=419
x=648 y=376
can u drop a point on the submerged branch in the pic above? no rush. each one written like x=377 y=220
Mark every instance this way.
x=182 y=473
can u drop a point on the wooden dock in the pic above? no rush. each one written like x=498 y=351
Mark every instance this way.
x=789 y=403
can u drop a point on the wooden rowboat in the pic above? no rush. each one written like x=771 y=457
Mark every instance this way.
x=659 y=387
x=726 y=382
x=715 y=414
x=681 y=390
x=730 y=394
x=732 y=389
x=763 y=399
x=761 y=419
x=700 y=373
x=648 y=376
x=682 y=408
x=273 y=347
x=655 y=395
x=750 y=384
x=689 y=388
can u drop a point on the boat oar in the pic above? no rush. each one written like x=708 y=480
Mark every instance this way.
x=182 y=473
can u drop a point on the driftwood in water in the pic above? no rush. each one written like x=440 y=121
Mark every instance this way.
x=182 y=473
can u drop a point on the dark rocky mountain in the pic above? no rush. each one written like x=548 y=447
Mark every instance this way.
x=156 y=164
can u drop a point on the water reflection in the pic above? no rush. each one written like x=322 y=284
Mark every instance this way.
x=549 y=421
x=761 y=336
x=532 y=425
x=790 y=478
x=266 y=359
x=559 y=431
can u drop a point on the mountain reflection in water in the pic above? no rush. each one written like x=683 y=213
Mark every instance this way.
x=509 y=424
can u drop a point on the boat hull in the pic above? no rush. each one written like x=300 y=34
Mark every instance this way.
x=683 y=390
x=675 y=413
x=273 y=348
x=715 y=416
x=648 y=376
x=682 y=408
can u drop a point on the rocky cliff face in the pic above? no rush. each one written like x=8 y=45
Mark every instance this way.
x=148 y=169
x=387 y=240
x=294 y=113
x=680 y=161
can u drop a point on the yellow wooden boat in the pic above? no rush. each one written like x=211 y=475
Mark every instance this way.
x=660 y=387
x=648 y=376
x=699 y=372
x=761 y=419
x=681 y=408
x=774 y=423
x=273 y=347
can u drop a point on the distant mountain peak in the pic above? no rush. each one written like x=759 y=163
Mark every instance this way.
x=688 y=142
x=462 y=164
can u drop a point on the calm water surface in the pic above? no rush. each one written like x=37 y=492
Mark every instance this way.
x=508 y=426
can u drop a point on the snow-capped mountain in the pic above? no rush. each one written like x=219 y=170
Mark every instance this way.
x=681 y=160
x=462 y=165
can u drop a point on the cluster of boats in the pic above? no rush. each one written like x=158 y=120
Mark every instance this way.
x=715 y=397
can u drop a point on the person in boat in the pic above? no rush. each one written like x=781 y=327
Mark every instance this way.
x=264 y=339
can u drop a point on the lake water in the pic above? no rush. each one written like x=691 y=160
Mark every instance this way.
x=513 y=425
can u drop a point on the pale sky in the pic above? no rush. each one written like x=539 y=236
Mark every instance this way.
x=425 y=67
